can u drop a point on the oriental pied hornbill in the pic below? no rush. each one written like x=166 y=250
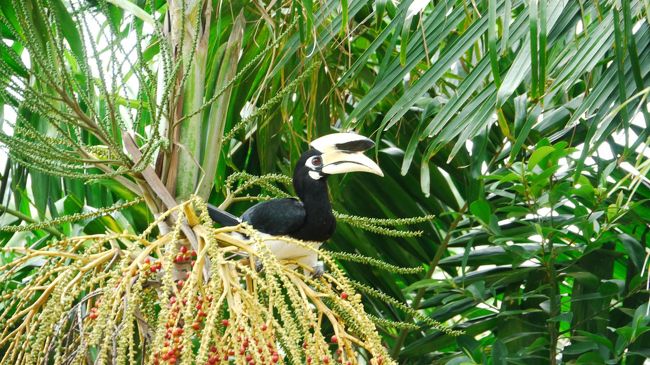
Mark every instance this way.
x=310 y=217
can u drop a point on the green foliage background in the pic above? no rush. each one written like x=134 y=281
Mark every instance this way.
x=520 y=125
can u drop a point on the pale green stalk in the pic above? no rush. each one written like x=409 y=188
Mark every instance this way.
x=193 y=92
x=219 y=109
x=133 y=9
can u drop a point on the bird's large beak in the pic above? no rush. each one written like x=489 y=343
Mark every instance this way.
x=343 y=152
x=337 y=162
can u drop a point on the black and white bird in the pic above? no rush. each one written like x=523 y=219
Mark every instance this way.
x=310 y=217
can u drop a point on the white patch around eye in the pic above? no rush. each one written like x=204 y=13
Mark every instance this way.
x=310 y=163
x=315 y=175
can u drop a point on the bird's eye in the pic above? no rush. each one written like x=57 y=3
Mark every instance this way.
x=316 y=161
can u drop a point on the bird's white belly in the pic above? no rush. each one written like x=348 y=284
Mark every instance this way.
x=285 y=250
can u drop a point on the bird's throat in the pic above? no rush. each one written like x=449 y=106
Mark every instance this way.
x=319 y=222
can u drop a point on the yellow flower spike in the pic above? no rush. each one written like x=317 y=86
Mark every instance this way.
x=224 y=308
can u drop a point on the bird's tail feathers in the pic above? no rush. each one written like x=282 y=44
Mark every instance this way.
x=222 y=217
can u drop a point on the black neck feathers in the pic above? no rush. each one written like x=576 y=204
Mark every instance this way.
x=313 y=193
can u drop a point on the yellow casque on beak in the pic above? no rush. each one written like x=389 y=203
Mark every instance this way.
x=343 y=152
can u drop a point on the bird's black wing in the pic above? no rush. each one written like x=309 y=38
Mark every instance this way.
x=276 y=217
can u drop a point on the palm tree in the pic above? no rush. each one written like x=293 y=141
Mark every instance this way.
x=516 y=129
